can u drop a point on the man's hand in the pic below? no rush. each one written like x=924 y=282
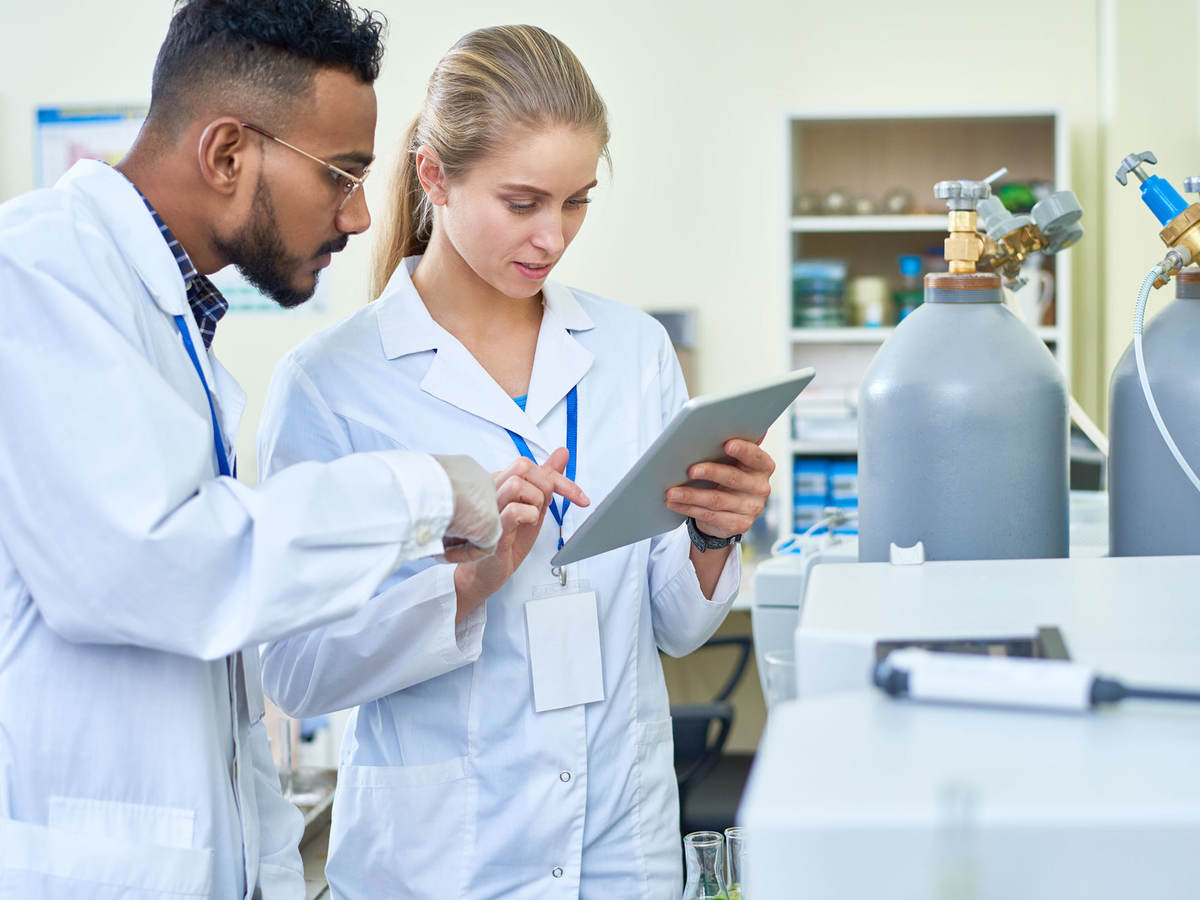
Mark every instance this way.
x=474 y=528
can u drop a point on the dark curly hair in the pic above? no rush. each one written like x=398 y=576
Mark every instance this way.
x=217 y=51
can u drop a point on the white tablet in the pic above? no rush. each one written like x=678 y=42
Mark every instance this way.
x=636 y=508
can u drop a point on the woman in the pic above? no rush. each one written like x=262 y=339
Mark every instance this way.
x=482 y=760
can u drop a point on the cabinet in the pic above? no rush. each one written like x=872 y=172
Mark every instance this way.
x=867 y=155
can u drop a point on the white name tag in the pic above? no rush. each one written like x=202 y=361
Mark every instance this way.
x=564 y=649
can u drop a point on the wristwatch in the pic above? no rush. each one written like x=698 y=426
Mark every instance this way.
x=702 y=541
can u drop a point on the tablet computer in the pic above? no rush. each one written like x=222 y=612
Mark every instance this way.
x=636 y=508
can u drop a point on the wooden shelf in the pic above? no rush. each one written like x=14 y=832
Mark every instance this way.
x=824 y=448
x=848 y=224
x=841 y=335
x=1048 y=333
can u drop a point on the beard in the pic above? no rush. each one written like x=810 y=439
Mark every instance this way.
x=258 y=253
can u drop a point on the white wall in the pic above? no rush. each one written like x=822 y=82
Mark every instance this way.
x=697 y=92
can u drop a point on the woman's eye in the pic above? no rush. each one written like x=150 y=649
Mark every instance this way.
x=520 y=207
x=579 y=202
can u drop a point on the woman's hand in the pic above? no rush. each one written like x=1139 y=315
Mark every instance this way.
x=523 y=491
x=740 y=495
x=729 y=508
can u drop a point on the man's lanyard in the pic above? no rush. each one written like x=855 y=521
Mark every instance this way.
x=572 y=436
x=218 y=439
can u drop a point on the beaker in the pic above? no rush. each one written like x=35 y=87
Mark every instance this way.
x=704 y=852
x=781 y=677
x=735 y=861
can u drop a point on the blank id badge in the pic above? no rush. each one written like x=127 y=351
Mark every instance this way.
x=563 y=625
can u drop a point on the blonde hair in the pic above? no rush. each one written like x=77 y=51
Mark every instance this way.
x=489 y=82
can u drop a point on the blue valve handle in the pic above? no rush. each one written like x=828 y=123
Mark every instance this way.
x=1164 y=201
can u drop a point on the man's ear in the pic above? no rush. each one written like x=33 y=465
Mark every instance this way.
x=223 y=149
x=430 y=174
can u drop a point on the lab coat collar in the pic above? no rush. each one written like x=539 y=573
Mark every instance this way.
x=456 y=377
x=116 y=202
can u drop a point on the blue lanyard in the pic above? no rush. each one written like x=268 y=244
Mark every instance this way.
x=218 y=440
x=572 y=435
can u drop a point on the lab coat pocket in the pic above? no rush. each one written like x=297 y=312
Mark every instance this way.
x=658 y=804
x=70 y=858
x=162 y=826
x=401 y=831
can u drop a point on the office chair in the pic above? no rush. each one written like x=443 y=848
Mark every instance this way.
x=697 y=754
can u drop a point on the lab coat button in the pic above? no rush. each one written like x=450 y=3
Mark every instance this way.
x=424 y=534
x=564 y=777
x=557 y=872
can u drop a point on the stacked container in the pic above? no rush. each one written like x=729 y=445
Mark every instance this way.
x=818 y=483
x=818 y=293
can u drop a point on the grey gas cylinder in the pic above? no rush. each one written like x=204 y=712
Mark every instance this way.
x=1153 y=510
x=962 y=436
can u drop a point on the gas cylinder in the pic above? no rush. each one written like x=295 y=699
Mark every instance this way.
x=1153 y=509
x=963 y=432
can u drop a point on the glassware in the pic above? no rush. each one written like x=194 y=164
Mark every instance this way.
x=735 y=852
x=705 y=855
x=781 y=676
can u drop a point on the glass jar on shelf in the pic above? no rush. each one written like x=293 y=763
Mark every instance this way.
x=818 y=293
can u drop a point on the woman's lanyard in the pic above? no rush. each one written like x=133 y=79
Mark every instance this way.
x=218 y=439
x=572 y=436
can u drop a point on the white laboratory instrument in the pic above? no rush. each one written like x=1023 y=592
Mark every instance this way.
x=780 y=581
x=976 y=803
x=857 y=796
x=779 y=592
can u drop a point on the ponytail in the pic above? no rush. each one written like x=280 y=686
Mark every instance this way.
x=410 y=220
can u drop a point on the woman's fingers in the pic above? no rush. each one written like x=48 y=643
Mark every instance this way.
x=520 y=490
x=734 y=478
x=750 y=455
x=548 y=478
x=515 y=515
x=716 y=500
x=552 y=479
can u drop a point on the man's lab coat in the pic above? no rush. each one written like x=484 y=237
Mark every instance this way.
x=136 y=585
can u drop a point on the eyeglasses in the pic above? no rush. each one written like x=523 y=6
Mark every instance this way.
x=345 y=182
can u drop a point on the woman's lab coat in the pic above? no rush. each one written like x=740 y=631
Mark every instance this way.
x=133 y=759
x=450 y=784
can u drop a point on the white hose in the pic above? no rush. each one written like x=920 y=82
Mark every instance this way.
x=830 y=521
x=1139 y=315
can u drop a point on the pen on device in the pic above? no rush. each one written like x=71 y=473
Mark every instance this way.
x=1002 y=681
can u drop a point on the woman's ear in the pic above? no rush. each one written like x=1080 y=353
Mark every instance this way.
x=430 y=174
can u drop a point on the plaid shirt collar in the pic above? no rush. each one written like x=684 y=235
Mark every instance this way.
x=207 y=303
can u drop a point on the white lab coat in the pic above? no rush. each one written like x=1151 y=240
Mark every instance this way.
x=450 y=785
x=133 y=759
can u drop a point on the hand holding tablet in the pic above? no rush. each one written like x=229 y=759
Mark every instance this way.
x=636 y=508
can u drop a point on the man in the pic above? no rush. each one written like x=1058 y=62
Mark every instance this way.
x=136 y=577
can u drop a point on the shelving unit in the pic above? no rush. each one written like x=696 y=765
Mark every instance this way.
x=868 y=153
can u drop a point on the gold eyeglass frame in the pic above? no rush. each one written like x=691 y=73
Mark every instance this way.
x=355 y=181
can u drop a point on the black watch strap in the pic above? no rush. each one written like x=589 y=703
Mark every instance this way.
x=702 y=541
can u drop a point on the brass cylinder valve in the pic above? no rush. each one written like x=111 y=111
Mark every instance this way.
x=964 y=246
